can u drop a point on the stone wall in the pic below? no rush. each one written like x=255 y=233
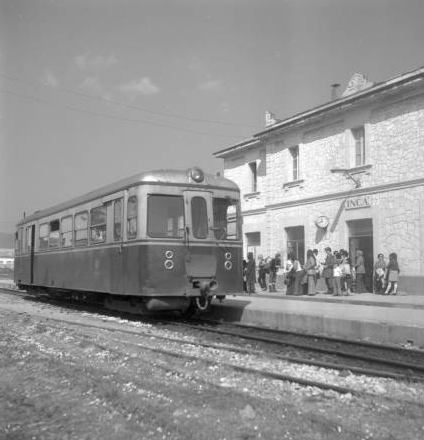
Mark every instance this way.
x=392 y=181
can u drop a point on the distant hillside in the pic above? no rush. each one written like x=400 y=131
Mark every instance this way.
x=7 y=253
x=7 y=240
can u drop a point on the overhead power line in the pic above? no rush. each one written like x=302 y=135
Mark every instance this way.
x=133 y=107
x=104 y=115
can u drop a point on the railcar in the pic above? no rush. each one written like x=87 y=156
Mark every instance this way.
x=156 y=241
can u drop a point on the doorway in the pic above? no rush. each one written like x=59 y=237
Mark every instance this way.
x=361 y=237
x=296 y=242
x=253 y=241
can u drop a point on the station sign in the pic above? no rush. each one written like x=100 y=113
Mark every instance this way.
x=357 y=203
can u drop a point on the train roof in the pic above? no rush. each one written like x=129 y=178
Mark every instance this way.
x=159 y=177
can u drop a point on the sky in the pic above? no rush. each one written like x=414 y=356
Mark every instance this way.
x=92 y=91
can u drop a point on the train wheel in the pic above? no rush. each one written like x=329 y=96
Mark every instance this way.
x=190 y=311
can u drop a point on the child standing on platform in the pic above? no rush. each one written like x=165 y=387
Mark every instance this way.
x=346 y=279
x=379 y=273
x=337 y=273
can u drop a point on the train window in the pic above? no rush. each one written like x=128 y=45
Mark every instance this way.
x=66 y=232
x=132 y=217
x=81 y=227
x=16 y=243
x=225 y=219
x=54 y=234
x=199 y=217
x=98 y=224
x=19 y=241
x=44 y=236
x=28 y=239
x=165 y=216
x=117 y=220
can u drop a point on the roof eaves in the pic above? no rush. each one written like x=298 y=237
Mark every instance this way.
x=344 y=101
x=236 y=148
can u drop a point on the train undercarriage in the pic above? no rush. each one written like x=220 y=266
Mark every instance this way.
x=139 y=305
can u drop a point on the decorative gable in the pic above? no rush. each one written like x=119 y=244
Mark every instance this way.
x=270 y=119
x=357 y=83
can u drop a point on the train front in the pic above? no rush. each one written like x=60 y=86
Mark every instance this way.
x=193 y=248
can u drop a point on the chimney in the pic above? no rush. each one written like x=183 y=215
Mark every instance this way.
x=334 y=91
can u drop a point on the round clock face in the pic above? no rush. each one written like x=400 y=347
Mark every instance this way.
x=322 y=221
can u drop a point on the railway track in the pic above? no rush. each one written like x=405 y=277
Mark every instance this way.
x=116 y=329
x=369 y=353
x=266 y=348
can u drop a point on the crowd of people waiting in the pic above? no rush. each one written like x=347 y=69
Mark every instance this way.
x=341 y=275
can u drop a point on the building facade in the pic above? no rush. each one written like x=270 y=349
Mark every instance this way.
x=347 y=174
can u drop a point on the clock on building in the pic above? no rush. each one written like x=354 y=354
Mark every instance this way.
x=322 y=221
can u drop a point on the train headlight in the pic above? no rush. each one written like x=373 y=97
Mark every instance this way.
x=228 y=265
x=169 y=254
x=197 y=174
x=228 y=255
x=169 y=264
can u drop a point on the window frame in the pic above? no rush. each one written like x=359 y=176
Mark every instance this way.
x=121 y=220
x=78 y=242
x=71 y=231
x=19 y=240
x=358 y=135
x=164 y=235
x=98 y=227
x=253 y=167
x=295 y=168
x=202 y=221
x=28 y=235
x=132 y=219
x=233 y=218
x=43 y=240
x=56 y=243
x=253 y=239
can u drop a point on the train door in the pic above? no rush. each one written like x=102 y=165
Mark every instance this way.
x=198 y=208
x=200 y=261
x=117 y=259
x=30 y=241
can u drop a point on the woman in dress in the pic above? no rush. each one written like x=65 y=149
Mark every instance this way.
x=360 y=272
x=310 y=268
x=392 y=275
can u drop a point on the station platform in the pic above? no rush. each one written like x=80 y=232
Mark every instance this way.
x=390 y=319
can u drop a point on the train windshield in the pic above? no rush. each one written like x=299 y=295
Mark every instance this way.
x=199 y=217
x=225 y=225
x=165 y=216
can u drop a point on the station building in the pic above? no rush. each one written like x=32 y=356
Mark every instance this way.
x=346 y=174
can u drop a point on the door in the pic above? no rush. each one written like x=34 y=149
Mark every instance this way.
x=198 y=206
x=253 y=241
x=31 y=253
x=366 y=246
x=116 y=208
x=200 y=261
x=296 y=242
